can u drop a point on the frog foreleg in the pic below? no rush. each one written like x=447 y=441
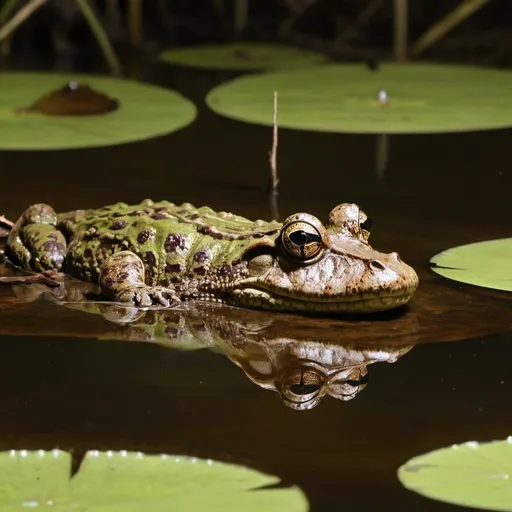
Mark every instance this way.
x=34 y=243
x=122 y=279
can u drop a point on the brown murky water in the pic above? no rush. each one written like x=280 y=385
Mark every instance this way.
x=65 y=383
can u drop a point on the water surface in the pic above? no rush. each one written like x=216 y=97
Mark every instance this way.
x=66 y=381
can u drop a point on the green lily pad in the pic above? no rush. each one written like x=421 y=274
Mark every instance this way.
x=144 y=111
x=129 y=482
x=471 y=474
x=421 y=98
x=242 y=56
x=487 y=264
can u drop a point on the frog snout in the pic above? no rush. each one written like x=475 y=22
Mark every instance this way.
x=391 y=262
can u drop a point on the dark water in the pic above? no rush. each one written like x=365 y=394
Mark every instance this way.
x=61 y=386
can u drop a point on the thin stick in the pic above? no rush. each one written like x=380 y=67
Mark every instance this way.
x=20 y=17
x=101 y=36
x=274 y=181
x=45 y=278
x=273 y=153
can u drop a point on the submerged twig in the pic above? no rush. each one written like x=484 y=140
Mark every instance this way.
x=6 y=222
x=5 y=226
x=21 y=16
x=48 y=277
x=274 y=181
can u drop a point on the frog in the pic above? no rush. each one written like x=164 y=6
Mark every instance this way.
x=160 y=254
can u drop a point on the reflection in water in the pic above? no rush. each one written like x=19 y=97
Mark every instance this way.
x=73 y=100
x=300 y=358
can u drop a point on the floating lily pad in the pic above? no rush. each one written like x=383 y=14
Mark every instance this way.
x=487 y=264
x=472 y=475
x=129 y=482
x=144 y=111
x=242 y=56
x=350 y=98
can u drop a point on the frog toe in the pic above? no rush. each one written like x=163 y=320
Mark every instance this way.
x=164 y=297
x=147 y=296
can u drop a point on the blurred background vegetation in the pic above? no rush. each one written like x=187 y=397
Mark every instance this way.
x=476 y=31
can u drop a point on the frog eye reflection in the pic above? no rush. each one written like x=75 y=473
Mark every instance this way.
x=355 y=384
x=301 y=385
x=301 y=240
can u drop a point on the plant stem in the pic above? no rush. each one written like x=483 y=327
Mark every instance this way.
x=465 y=9
x=240 y=16
x=401 y=22
x=19 y=17
x=101 y=36
x=135 y=22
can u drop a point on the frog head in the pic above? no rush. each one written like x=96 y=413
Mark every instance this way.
x=311 y=267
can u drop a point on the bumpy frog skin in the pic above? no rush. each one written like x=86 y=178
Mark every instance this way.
x=158 y=254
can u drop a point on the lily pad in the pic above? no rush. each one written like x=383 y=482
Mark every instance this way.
x=350 y=98
x=471 y=475
x=145 y=111
x=242 y=56
x=129 y=482
x=487 y=264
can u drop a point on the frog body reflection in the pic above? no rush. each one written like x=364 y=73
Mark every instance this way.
x=301 y=368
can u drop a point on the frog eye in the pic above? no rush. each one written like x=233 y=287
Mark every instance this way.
x=366 y=225
x=301 y=240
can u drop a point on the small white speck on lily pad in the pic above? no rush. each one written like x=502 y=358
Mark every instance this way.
x=344 y=98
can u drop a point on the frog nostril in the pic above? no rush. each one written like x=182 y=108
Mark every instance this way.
x=397 y=257
x=377 y=265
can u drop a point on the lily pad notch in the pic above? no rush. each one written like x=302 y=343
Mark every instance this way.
x=145 y=111
x=106 y=480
